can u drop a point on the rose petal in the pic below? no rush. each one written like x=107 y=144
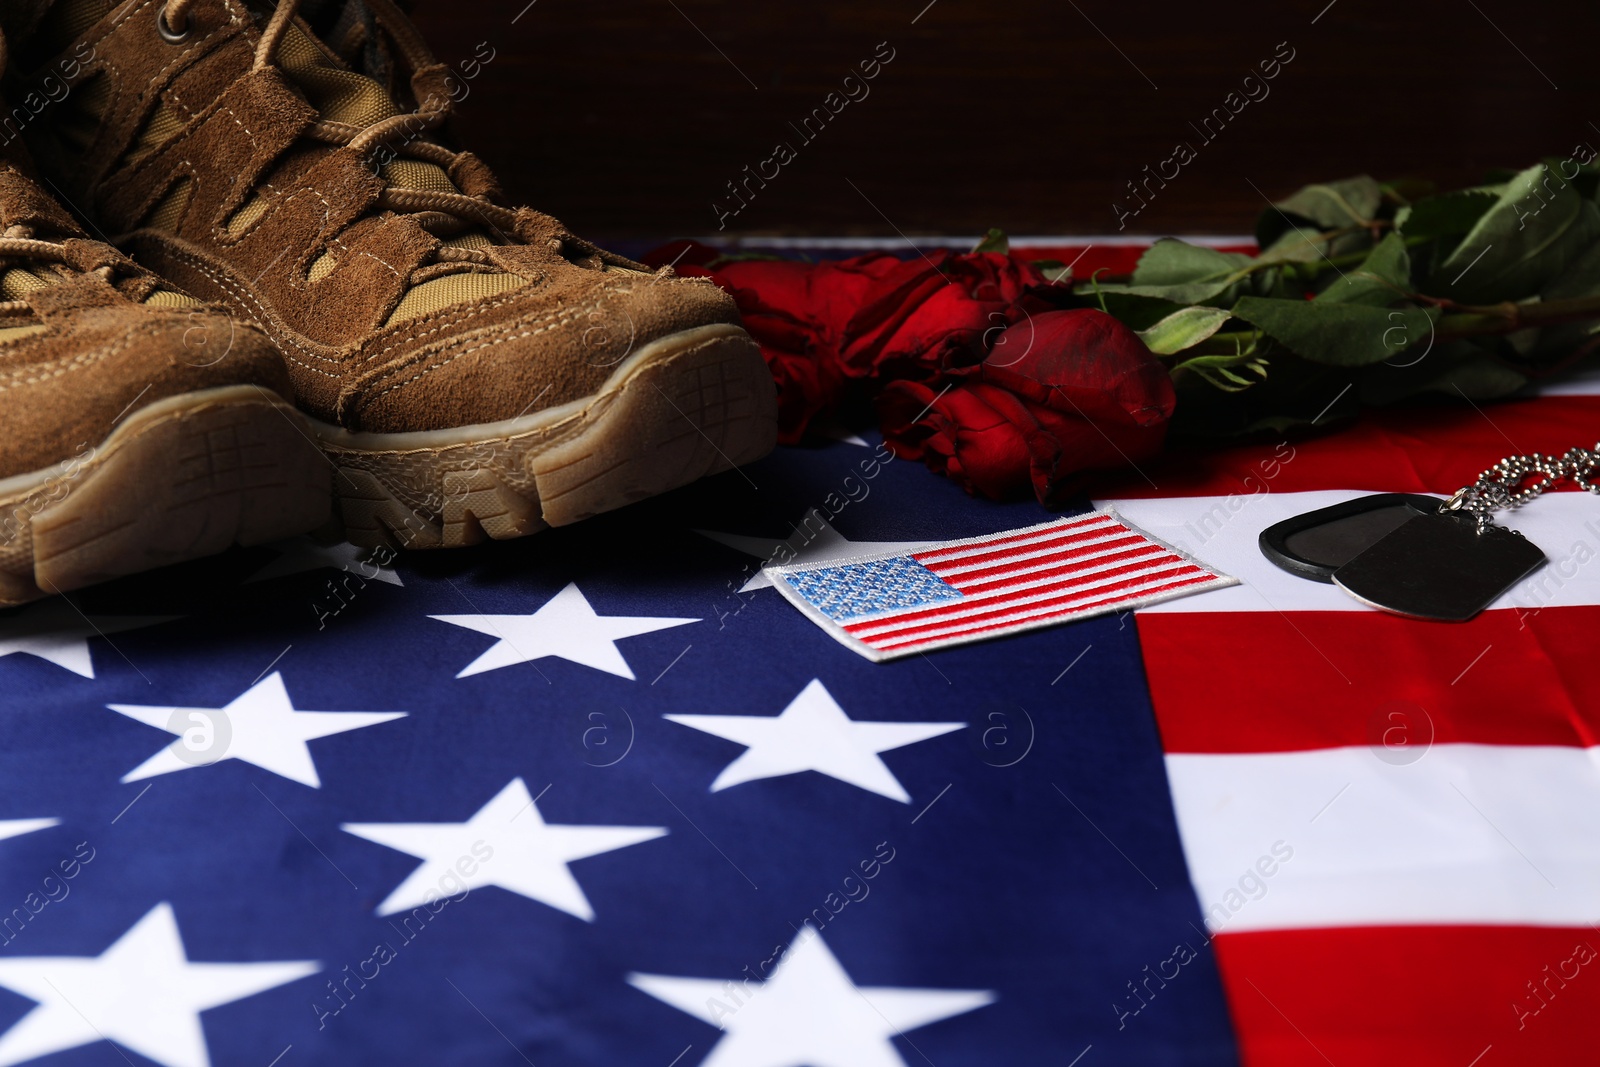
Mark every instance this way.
x=1084 y=362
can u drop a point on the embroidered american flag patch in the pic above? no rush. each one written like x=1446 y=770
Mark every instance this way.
x=894 y=604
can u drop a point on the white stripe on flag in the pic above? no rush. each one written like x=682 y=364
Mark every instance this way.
x=1222 y=533
x=1470 y=834
x=1583 y=383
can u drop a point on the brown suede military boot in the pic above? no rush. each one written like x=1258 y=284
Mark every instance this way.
x=142 y=427
x=472 y=369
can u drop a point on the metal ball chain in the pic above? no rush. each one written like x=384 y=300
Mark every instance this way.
x=1502 y=488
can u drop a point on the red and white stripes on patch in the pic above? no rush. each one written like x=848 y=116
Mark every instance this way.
x=1032 y=577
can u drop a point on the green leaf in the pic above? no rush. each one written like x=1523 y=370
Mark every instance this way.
x=1456 y=368
x=1229 y=373
x=993 y=241
x=1173 y=262
x=1580 y=279
x=1348 y=335
x=1535 y=230
x=1325 y=206
x=1183 y=273
x=1305 y=245
x=1383 y=277
x=1484 y=378
x=1296 y=392
x=1135 y=312
x=1183 y=329
x=1446 y=215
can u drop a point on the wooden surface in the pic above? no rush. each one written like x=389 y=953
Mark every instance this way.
x=627 y=117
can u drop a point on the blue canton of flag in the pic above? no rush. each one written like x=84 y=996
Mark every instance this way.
x=864 y=590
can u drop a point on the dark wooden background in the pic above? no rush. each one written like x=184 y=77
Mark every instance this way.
x=626 y=117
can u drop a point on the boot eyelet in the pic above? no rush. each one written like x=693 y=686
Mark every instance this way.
x=168 y=34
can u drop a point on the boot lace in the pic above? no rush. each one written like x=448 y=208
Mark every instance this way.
x=441 y=213
x=19 y=248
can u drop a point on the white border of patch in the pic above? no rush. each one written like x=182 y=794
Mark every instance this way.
x=778 y=575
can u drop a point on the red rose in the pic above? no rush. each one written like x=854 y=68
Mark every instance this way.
x=791 y=309
x=932 y=313
x=974 y=434
x=1087 y=363
x=814 y=301
x=1060 y=394
x=873 y=317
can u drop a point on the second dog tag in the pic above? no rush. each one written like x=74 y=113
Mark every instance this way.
x=1439 y=566
x=1316 y=544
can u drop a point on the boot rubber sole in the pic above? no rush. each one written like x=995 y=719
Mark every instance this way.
x=682 y=407
x=178 y=479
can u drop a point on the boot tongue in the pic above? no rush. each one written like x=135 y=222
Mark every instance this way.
x=343 y=95
x=340 y=94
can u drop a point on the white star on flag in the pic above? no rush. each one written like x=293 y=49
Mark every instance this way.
x=835 y=432
x=814 y=734
x=506 y=843
x=55 y=631
x=814 y=540
x=260 y=726
x=809 y=1012
x=142 y=993
x=565 y=627
x=300 y=554
x=18 y=827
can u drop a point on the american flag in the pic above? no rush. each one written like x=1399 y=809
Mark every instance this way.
x=603 y=797
x=893 y=605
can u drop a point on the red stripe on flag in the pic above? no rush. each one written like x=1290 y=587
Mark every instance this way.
x=1412 y=996
x=1408 y=449
x=1069 y=604
x=1063 y=613
x=989 y=605
x=1010 y=575
x=1271 y=682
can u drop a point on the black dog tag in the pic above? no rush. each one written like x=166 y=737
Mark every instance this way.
x=1316 y=544
x=1439 y=566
